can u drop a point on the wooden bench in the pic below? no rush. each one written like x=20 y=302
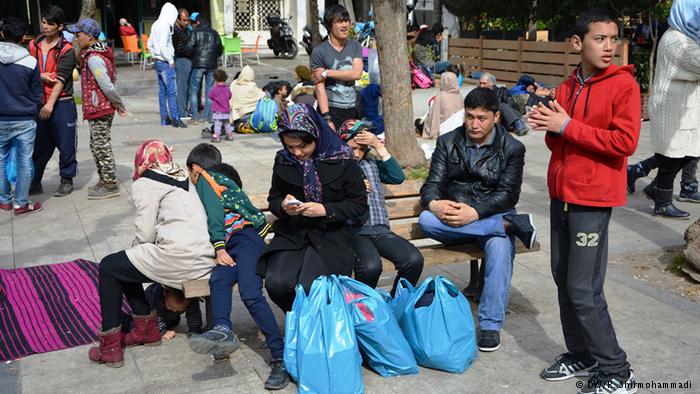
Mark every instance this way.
x=403 y=204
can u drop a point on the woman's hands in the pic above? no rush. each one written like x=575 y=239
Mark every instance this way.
x=293 y=207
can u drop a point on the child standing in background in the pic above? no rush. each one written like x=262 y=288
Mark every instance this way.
x=220 y=95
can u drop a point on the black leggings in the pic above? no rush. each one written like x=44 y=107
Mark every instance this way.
x=285 y=269
x=687 y=176
x=119 y=276
x=668 y=168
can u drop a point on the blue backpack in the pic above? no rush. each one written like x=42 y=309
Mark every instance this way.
x=264 y=119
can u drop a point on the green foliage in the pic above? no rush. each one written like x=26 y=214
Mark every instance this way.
x=676 y=264
x=418 y=173
x=641 y=69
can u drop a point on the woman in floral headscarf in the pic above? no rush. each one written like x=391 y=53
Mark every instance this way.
x=317 y=187
x=171 y=245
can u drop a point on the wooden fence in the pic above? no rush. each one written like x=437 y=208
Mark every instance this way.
x=548 y=62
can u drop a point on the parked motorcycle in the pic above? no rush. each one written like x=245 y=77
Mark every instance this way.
x=306 y=40
x=281 y=39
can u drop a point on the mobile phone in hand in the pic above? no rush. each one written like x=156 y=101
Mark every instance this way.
x=293 y=202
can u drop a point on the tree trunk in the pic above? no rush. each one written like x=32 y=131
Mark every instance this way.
x=397 y=100
x=654 y=33
x=88 y=9
x=315 y=35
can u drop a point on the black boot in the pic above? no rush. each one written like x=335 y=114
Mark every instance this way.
x=64 y=188
x=279 y=377
x=663 y=205
x=649 y=190
x=689 y=192
x=634 y=172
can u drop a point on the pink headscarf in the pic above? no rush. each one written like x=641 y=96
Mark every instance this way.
x=156 y=155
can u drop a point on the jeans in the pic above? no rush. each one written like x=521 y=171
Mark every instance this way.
x=245 y=247
x=183 y=68
x=441 y=67
x=58 y=131
x=118 y=277
x=499 y=253
x=167 y=91
x=24 y=132
x=370 y=249
x=195 y=83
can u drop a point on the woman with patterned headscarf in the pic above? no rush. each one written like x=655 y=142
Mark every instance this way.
x=171 y=245
x=317 y=188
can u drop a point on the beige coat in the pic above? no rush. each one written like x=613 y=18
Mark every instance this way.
x=244 y=94
x=674 y=104
x=171 y=243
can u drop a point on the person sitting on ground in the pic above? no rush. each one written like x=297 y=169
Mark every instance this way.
x=220 y=96
x=510 y=117
x=303 y=92
x=317 y=187
x=302 y=75
x=171 y=246
x=279 y=91
x=245 y=94
x=527 y=92
x=169 y=304
x=373 y=238
x=19 y=74
x=237 y=230
x=427 y=49
x=473 y=186
x=125 y=28
x=447 y=111
x=372 y=108
x=689 y=180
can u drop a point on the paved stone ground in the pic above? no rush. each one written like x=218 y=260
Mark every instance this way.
x=657 y=329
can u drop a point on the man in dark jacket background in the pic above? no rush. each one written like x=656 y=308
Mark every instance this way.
x=470 y=195
x=510 y=116
x=183 y=64
x=207 y=48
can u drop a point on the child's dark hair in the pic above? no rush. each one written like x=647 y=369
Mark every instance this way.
x=583 y=22
x=280 y=84
x=13 y=29
x=220 y=75
x=453 y=68
x=302 y=135
x=229 y=171
x=335 y=12
x=204 y=155
x=274 y=87
x=53 y=15
x=437 y=28
x=482 y=98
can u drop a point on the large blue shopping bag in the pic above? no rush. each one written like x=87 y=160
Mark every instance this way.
x=439 y=326
x=321 y=351
x=378 y=332
x=402 y=295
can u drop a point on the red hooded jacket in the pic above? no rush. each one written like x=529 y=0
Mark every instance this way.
x=588 y=165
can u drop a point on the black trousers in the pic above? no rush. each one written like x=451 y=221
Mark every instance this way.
x=58 y=131
x=371 y=248
x=669 y=167
x=509 y=115
x=579 y=260
x=340 y=115
x=285 y=269
x=118 y=277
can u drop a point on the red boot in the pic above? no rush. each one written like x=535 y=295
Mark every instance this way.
x=110 y=351
x=145 y=331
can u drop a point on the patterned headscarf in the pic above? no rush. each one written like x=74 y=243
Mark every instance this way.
x=301 y=117
x=350 y=128
x=156 y=155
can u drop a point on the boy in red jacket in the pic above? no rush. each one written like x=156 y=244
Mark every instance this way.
x=592 y=127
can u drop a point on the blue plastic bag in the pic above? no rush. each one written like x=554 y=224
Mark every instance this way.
x=321 y=351
x=439 y=326
x=378 y=332
x=402 y=296
x=11 y=168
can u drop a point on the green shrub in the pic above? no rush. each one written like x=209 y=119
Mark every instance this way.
x=641 y=69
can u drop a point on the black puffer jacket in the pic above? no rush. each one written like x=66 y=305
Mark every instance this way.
x=181 y=42
x=490 y=186
x=504 y=96
x=207 y=47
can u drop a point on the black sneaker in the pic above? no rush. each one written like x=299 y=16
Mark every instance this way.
x=279 y=377
x=689 y=192
x=489 y=340
x=567 y=366
x=603 y=383
x=179 y=123
x=217 y=341
x=523 y=227
x=36 y=188
x=64 y=188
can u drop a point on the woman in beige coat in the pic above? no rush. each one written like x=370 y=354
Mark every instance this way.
x=171 y=246
x=245 y=94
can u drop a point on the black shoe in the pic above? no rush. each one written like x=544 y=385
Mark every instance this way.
x=218 y=341
x=523 y=227
x=689 y=192
x=64 y=188
x=603 y=383
x=179 y=123
x=36 y=188
x=279 y=377
x=634 y=172
x=663 y=205
x=489 y=340
x=567 y=366
x=649 y=190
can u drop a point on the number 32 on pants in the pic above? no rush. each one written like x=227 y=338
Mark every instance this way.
x=587 y=239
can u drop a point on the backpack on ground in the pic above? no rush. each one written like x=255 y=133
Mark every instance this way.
x=264 y=119
x=419 y=78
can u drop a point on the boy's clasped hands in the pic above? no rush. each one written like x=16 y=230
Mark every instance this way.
x=552 y=118
x=293 y=207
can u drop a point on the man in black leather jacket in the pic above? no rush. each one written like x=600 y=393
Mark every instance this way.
x=470 y=195
x=183 y=64
x=207 y=50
